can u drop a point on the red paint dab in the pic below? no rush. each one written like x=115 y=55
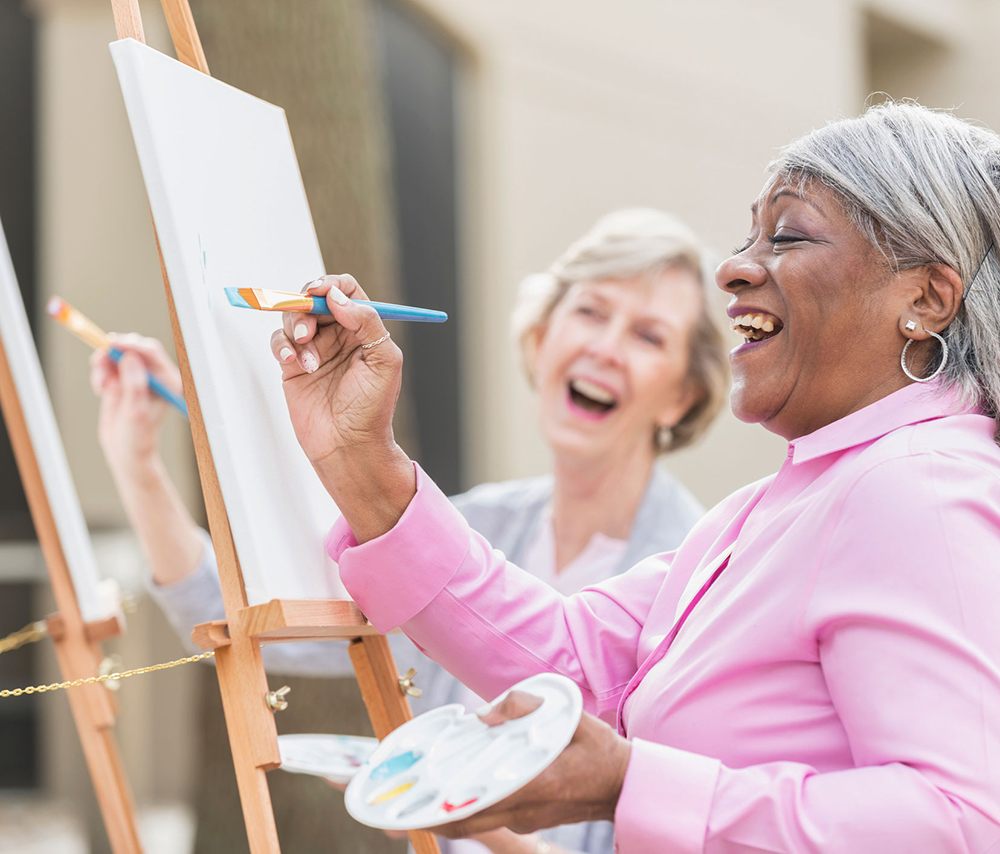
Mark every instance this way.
x=447 y=807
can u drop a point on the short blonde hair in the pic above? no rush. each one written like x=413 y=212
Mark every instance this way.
x=625 y=245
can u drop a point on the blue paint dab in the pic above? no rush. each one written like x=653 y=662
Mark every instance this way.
x=396 y=764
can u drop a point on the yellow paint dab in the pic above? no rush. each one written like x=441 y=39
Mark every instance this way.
x=392 y=793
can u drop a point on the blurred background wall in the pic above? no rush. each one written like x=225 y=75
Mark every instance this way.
x=500 y=130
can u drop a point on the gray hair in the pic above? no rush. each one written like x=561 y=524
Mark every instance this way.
x=924 y=187
x=626 y=245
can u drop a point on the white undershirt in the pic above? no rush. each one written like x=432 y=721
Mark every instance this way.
x=599 y=559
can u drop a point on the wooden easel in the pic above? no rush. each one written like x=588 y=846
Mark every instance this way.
x=77 y=644
x=237 y=640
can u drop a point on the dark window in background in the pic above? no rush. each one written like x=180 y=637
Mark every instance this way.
x=17 y=212
x=418 y=68
x=18 y=721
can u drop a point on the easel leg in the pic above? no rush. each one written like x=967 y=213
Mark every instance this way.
x=93 y=714
x=247 y=721
x=387 y=706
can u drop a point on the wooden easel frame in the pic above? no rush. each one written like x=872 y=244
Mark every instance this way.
x=237 y=640
x=77 y=643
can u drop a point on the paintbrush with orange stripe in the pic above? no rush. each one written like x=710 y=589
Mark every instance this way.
x=90 y=333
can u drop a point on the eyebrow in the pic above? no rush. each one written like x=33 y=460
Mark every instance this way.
x=794 y=195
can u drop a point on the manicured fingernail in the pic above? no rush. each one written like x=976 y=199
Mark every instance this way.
x=315 y=283
x=286 y=354
x=301 y=331
x=339 y=296
x=484 y=710
x=309 y=362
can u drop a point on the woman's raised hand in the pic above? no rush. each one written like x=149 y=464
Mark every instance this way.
x=341 y=396
x=131 y=414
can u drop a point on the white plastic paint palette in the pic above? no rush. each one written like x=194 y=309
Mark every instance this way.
x=335 y=757
x=447 y=764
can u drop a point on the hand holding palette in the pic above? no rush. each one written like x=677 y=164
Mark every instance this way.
x=446 y=765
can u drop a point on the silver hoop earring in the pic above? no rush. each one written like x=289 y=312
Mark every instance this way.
x=944 y=360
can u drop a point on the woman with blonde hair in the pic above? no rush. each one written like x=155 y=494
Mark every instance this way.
x=617 y=340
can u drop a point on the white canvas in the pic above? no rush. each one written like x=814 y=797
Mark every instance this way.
x=22 y=357
x=230 y=211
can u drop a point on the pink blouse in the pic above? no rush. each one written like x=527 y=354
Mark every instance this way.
x=835 y=689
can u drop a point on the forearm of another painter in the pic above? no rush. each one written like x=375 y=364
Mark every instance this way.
x=168 y=535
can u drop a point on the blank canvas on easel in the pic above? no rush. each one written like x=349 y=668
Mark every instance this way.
x=230 y=211
x=41 y=423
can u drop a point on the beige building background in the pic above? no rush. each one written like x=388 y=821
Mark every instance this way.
x=567 y=109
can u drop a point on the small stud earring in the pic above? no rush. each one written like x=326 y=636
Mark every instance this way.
x=911 y=325
x=662 y=436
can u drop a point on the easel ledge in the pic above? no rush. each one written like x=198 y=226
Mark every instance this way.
x=289 y=620
x=94 y=632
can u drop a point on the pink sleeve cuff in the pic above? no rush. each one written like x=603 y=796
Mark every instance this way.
x=394 y=577
x=665 y=801
x=340 y=538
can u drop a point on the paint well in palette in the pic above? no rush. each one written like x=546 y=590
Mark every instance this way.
x=385 y=797
x=463 y=798
x=396 y=765
x=521 y=764
x=418 y=805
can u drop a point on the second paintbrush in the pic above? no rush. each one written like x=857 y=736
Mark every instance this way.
x=265 y=300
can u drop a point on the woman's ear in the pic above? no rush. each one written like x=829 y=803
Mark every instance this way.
x=680 y=404
x=532 y=341
x=939 y=296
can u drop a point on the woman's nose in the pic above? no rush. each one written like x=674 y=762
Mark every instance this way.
x=738 y=271
x=608 y=344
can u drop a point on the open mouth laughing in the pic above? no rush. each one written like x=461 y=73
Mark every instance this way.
x=591 y=397
x=756 y=326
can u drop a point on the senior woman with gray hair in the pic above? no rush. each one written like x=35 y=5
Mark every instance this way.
x=817 y=667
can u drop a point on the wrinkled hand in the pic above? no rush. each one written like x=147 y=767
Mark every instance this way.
x=339 y=395
x=582 y=784
x=131 y=415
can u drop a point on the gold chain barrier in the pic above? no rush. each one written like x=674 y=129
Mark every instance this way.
x=29 y=634
x=107 y=677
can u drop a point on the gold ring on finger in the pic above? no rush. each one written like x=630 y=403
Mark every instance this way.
x=371 y=344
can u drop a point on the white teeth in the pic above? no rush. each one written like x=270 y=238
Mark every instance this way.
x=753 y=321
x=594 y=392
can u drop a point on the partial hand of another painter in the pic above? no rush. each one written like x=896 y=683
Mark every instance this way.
x=131 y=415
x=341 y=397
x=582 y=784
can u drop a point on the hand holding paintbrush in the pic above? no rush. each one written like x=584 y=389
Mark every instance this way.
x=88 y=332
x=131 y=415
